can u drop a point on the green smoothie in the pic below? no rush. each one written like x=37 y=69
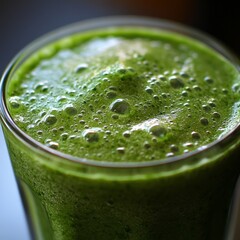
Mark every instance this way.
x=120 y=101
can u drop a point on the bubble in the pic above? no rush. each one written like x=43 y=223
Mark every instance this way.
x=50 y=119
x=208 y=80
x=113 y=88
x=64 y=136
x=61 y=98
x=206 y=108
x=195 y=135
x=115 y=116
x=121 y=150
x=188 y=144
x=162 y=77
x=236 y=87
x=216 y=115
x=53 y=145
x=15 y=102
x=204 y=121
x=174 y=148
x=127 y=134
x=192 y=80
x=196 y=88
x=224 y=90
x=120 y=106
x=212 y=104
x=111 y=94
x=170 y=154
x=108 y=132
x=91 y=135
x=82 y=121
x=146 y=145
x=149 y=90
x=39 y=132
x=70 y=109
x=184 y=93
x=156 y=97
x=184 y=74
x=81 y=67
x=157 y=130
x=176 y=82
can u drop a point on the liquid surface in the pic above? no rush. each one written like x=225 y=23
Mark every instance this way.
x=126 y=95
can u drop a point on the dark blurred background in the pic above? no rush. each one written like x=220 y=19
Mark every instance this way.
x=23 y=21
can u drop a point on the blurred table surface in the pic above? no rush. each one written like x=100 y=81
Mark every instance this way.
x=12 y=220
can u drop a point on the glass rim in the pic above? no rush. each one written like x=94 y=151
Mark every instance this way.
x=114 y=21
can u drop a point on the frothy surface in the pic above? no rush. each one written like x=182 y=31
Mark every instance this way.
x=127 y=95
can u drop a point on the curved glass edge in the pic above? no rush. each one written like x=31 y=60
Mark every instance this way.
x=82 y=26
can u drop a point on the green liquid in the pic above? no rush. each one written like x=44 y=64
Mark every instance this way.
x=127 y=95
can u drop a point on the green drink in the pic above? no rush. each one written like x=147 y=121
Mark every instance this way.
x=124 y=129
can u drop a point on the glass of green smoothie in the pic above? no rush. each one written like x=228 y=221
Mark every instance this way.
x=124 y=128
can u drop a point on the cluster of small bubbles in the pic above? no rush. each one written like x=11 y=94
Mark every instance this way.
x=216 y=115
x=196 y=88
x=64 y=136
x=53 y=145
x=81 y=67
x=204 y=121
x=206 y=108
x=149 y=90
x=120 y=106
x=157 y=130
x=195 y=135
x=70 y=109
x=208 y=79
x=91 y=135
x=174 y=148
x=176 y=82
x=121 y=150
x=50 y=119
x=15 y=102
x=127 y=134
x=41 y=86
